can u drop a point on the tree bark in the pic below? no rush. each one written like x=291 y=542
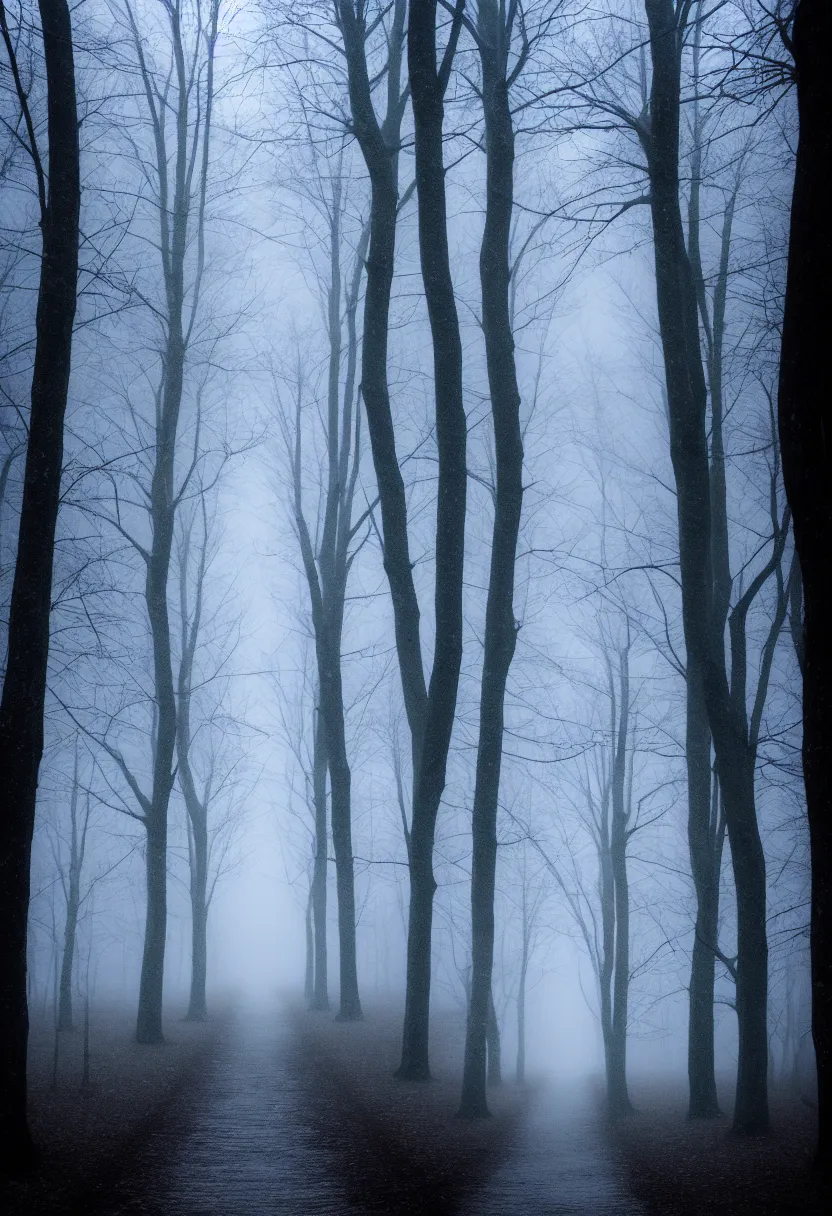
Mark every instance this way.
x=494 y=40
x=493 y=1047
x=320 y=995
x=428 y=81
x=687 y=400
x=805 y=426
x=24 y=687
x=77 y=842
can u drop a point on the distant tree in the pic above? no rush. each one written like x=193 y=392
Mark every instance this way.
x=329 y=544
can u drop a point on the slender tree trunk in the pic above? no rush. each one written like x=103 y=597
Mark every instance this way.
x=428 y=81
x=805 y=426
x=65 y=1020
x=320 y=996
x=619 y=1095
x=705 y=865
x=379 y=144
x=687 y=399
x=309 y=967
x=197 y=1004
x=500 y=627
x=73 y=899
x=520 y=1073
x=332 y=709
x=24 y=687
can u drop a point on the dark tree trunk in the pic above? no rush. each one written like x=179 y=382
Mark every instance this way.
x=500 y=630
x=494 y=1047
x=687 y=400
x=162 y=512
x=320 y=995
x=805 y=418
x=619 y=1098
x=309 y=966
x=705 y=839
x=332 y=710
x=429 y=712
x=379 y=143
x=24 y=687
x=197 y=1004
x=428 y=81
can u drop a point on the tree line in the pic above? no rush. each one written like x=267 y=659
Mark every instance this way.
x=576 y=140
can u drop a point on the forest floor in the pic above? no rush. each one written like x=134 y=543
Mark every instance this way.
x=398 y=1146
x=86 y=1135
x=678 y=1166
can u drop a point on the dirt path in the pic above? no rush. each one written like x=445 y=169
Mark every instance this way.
x=240 y=1142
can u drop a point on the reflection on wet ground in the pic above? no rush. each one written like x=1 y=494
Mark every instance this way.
x=240 y=1142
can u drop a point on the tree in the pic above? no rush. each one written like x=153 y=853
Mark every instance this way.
x=724 y=698
x=430 y=709
x=24 y=685
x=804 y=421
x=177 y=176
x=328 y=553
x=207 y=752
x=71 y=882
x=494 y=35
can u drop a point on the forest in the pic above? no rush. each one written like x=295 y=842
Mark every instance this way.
x=415 y=530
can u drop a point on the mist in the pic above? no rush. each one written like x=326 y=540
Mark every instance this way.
x=414 y=525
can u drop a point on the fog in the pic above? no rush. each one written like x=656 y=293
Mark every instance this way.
x=426 y=630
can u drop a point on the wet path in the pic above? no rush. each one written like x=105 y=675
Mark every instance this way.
x=245 y=1146
x=239 y=1143
x=559 y=1166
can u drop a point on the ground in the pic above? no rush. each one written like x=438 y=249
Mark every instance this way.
x=85 y=1133
x=270 y=1110
x=401 y=1139
x=678 y=1166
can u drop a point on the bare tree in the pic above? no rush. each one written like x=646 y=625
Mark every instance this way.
x=329 y=549
x=24 y=684
x=177 y=173
x=495 y=32
x=430 y=709
x=804 y=425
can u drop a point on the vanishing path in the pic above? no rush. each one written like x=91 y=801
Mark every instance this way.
x=559 y=1166
x=239 y=1142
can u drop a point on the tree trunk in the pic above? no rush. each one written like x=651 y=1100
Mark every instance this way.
x=805 y=425
x=197 y=1005
x=500 y=628
x=428 y=82
x=687 y=399
x=493 y=1047
x=379 y=144
x=617 y=1076
x=309 y=966
x=24 y=687
x=332 y=710
x=520 y=1074
x=73 y=900
x=65 y=1021
x=701 y=1075
x=320 y=996
x=149 y=1020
